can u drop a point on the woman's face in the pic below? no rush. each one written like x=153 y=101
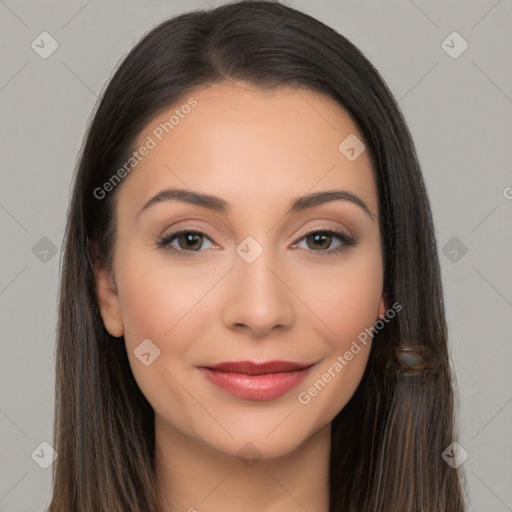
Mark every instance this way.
x=249 y=282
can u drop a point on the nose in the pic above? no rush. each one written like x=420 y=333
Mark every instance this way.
x=259 y=297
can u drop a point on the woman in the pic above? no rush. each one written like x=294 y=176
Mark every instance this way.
x=251 y=310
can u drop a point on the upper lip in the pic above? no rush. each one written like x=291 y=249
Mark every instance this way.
x=259 y=368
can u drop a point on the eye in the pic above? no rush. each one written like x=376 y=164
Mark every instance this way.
x=189 y=242
x=321 y=240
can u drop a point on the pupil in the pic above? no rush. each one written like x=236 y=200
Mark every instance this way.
x=189 y=237
x=317 y=238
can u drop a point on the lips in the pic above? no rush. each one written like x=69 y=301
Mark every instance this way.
x=256 y=368
x=257 y=380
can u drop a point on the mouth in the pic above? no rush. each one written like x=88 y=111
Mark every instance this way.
x=257 y=380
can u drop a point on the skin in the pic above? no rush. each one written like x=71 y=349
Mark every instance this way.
x=257 y=149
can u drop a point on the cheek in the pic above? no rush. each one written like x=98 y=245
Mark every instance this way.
x=156 y=297
x=161 y=304
x=344 y=297
x=167 y=304
x=345 y=301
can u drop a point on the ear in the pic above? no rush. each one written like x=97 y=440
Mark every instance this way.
x=108 y=300
x=382 y=308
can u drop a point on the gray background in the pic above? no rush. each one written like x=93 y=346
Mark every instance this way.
x=459 y=112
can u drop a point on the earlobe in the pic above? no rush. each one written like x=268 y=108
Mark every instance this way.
x=108 y=301
x=382 y=308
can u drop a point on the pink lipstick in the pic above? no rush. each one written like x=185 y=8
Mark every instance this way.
x=257 y=380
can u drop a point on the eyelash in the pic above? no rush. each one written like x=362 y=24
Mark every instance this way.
x=347 y=241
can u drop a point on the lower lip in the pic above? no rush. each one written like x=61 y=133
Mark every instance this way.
x=256 y=387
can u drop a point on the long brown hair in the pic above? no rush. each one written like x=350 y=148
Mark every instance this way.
x=388 y=440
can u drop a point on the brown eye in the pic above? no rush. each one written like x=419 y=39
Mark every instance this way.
x=190 y=241
x=184 y=242
x=320 y=241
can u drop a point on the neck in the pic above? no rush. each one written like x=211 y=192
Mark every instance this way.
x=193 y=476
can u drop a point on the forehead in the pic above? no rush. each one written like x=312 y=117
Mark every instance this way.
x=250 y=145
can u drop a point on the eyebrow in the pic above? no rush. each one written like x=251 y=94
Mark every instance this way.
x=222 y=206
